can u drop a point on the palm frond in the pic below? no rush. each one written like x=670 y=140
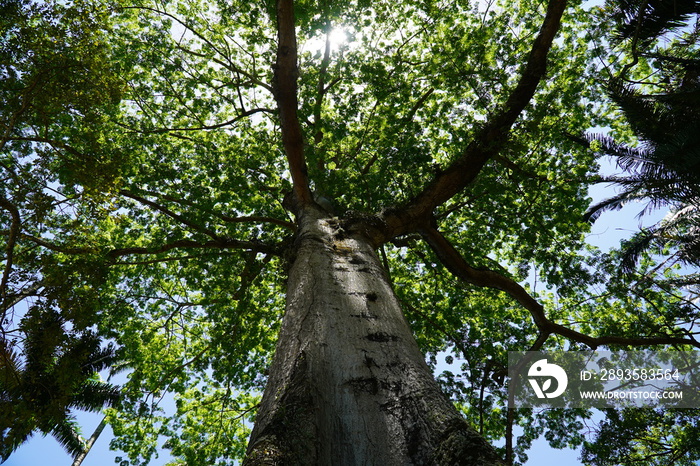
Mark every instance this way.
x=612 y=203
x=648 y=19
x=637 y=245
x=649 y=120
x=93 y=395
x=15 y=427
x=67 y=435
x=10 y=365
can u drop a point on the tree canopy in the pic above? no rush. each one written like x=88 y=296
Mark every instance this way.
x=154 y=156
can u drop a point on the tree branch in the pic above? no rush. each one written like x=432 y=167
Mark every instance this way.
x=254 y=218
x=285 y=86
x=218 y=243
x=52 y=142
x=226 y=218
x=15 y=298
x=237 y=118
x=486 y=144
x=169 y=213
x=187 y=25
x=321 y=87
x=11 y=241
x=221 y=243
x=456 y=264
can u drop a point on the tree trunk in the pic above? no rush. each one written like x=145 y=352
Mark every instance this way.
x=348 y=384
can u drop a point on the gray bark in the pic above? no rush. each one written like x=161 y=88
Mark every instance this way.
x=348 y=384
x=91 y=441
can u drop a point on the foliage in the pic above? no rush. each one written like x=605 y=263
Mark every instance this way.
x=657 y=91
x=54 y=374
x=638 y=436
x=144 y=174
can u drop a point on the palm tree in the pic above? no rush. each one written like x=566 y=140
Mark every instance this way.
x=54 y=374
x=664 y=170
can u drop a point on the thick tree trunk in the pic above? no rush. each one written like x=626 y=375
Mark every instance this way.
x=348 y=384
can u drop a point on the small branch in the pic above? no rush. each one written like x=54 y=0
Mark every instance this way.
x=635 y=39
x=228 y=64
x=506 y=162
x=221 y=243
x=53 y=247
x=419 y=103
x=208 y=127
x=55 y=144
x=225 y=218
x=15 y=298
x=169 y=213
x=321 y=88
x=253 y=218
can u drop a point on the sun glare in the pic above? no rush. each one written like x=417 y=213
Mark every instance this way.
x=337 y=38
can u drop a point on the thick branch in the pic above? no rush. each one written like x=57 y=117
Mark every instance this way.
x=323 y=71
x=456 y=264
x=285 y=86
x=487 y=143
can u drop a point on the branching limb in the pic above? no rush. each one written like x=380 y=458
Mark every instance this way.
x=219 y=243
x=52 y=142
x=203 y=37
x=255 y=218
x=321 y=89
x=486 y=144
x=456 y=264
x=15 y=298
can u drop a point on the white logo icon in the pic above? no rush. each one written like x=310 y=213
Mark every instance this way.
x=543 y=369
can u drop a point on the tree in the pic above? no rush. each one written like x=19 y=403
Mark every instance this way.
x=170 y=214
x=51 y=63
x=657 y=91
x=661 y=108
x=57 y=375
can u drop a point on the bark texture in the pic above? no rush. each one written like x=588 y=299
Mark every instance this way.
x=348 y=384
